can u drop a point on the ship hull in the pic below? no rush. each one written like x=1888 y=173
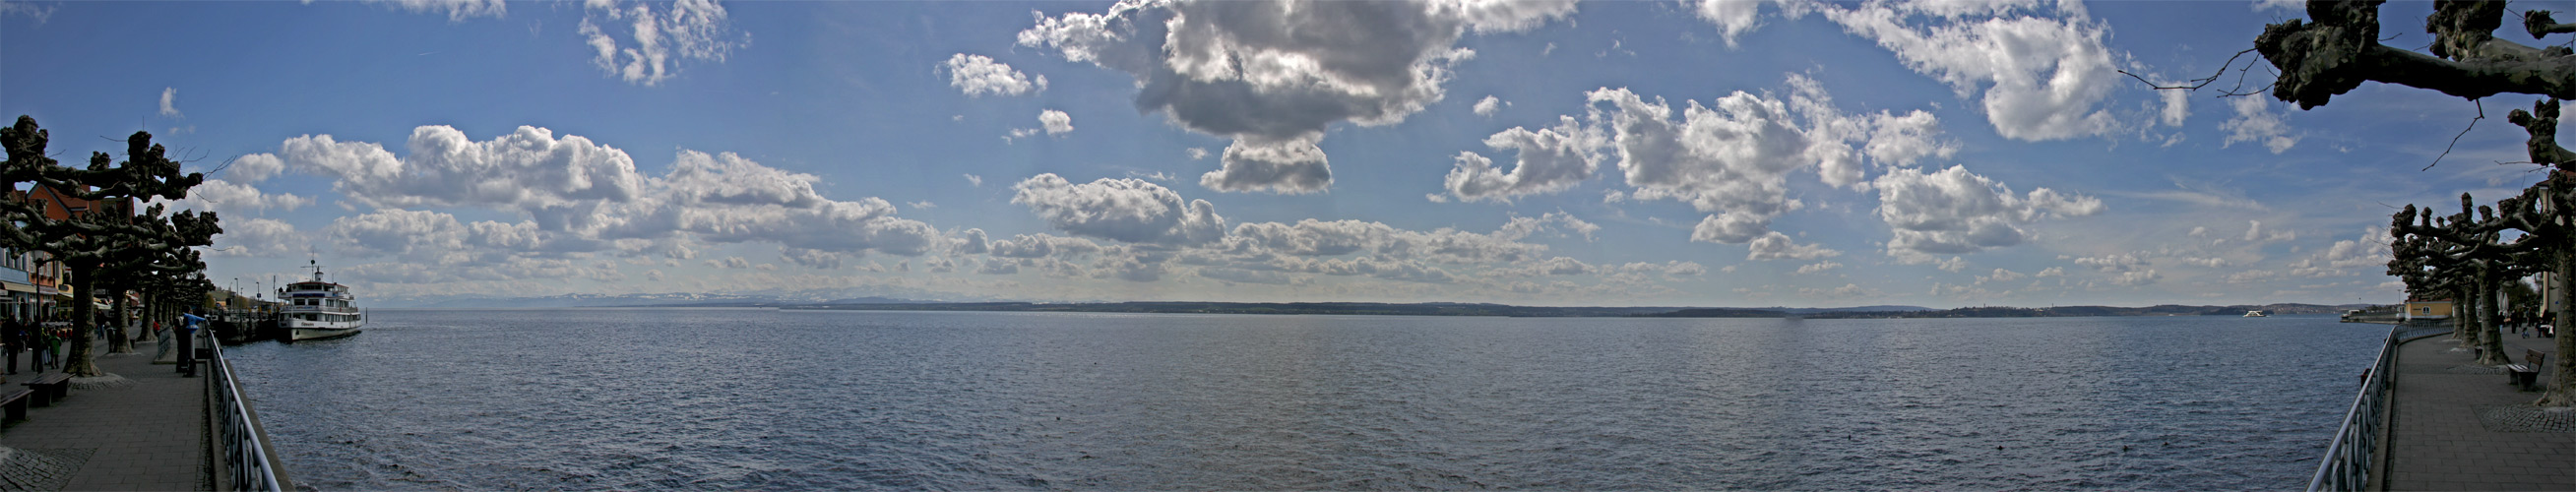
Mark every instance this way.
x=298 y=330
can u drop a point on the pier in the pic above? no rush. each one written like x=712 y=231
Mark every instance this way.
x=164 y=431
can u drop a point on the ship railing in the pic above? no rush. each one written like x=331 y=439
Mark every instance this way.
x=248 y=461
x=2348 y=460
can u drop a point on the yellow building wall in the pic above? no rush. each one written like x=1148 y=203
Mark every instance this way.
x=2428 y=309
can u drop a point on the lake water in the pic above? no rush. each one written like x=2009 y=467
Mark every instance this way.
x=762 y=399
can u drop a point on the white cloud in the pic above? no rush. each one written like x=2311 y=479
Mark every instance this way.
x=253 y=168
x=1774 y=246
x=1297 y=246
x=1055 y=122
x=581 y=193
x=2121 y=262
x=1732 y=156
x=258 y=237
x=2250 y=276
x=456 y=10
x=527 y=169
x=40 y=14
x=1551 y=160
x=2364 y=255
x=2137 y=278
x=1129 y=210
x=977 y=75
x=169 y=95
x=1732 y=17
x=1043 y=246
x=972 y=179
x=2255 y=122
x=1847 y=291
x=1904 y=140
x=2000 y=275
x=2042 y=78
x=656 y=41
x=1259 y=72
x=1488 y=106
x=810 y=258
x=1954 y=212
x=1818 y=267
x=2177 y=106
x=235 y=200
x=1195 y=153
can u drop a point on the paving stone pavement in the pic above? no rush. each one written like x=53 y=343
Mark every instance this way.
x=148 y=436
x=2440 y=440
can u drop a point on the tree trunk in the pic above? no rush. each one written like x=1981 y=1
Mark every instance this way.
x=152 y=306
x=84 y=313
x=2463 y=326
x=117 y=341
x=2490 y=342
x=2562 y=381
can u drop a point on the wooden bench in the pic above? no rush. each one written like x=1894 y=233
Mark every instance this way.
x=2527 y=374
x=51 y=387
x=15 y=405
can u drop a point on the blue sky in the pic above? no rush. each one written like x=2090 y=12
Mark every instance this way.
x=1599 y=153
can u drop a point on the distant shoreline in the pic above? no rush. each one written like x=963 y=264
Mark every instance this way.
x=1463 y=309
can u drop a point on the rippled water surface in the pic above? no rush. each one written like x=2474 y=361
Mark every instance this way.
x=761 y=399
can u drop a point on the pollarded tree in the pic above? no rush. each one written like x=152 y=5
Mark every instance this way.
x=2338 y=48
x=139 y=273
x=85 y=243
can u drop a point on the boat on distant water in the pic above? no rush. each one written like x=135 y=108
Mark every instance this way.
x=318 y=309
x=2256 y=314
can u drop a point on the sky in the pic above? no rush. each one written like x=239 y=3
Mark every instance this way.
x=1705 y=153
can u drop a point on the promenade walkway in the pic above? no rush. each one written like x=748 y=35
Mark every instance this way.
x=2459 y=426
x=149 y=436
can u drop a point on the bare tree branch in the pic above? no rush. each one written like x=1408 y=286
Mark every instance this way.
x=2455 y=139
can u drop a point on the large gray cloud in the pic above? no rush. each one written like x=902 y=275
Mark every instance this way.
x=1274 y=74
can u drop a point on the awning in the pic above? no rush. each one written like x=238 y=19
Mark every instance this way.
x=18 y=287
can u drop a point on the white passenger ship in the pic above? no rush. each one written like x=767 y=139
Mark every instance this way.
x=316 y=310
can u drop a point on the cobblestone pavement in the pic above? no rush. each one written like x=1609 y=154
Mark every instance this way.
x=2455 y=429
x=40 y=469
x=147 y=436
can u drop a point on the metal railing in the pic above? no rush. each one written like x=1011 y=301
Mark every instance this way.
x=246 y=457
x=2348 y=459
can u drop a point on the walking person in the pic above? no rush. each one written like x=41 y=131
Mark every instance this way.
x=44 y=346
